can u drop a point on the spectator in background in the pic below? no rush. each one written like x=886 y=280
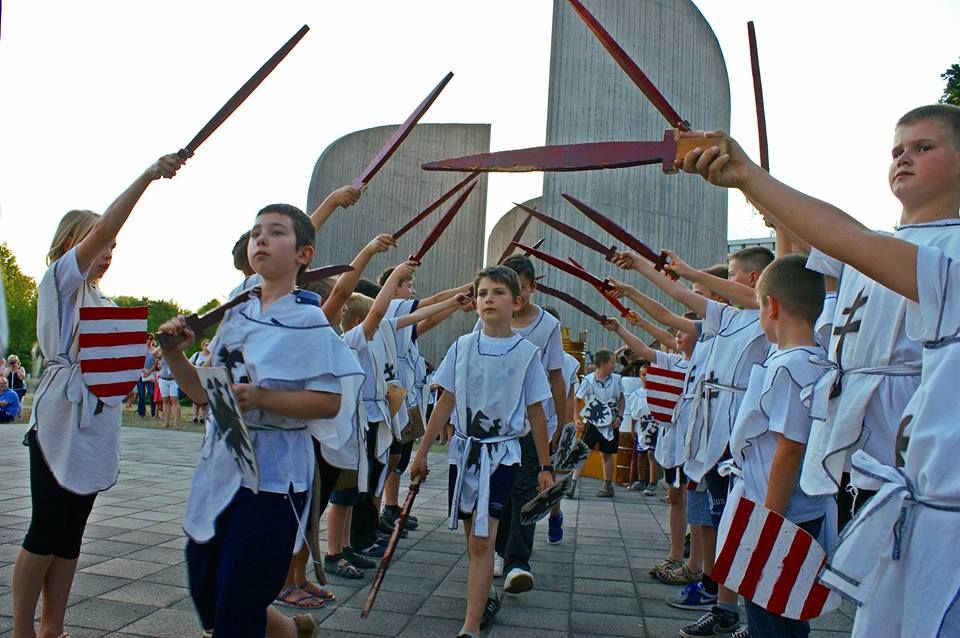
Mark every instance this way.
x=147 y=377
x=169 y=393
x=16 y=376
x=9 y=403
x=199 y=359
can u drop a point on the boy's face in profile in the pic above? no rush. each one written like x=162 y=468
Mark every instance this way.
x=495 y=302
x=740 y=275
x=526 y=289
x=272 y=249
x=925 y=162
x=606 y=368
x=685 y=341
x=405 y=290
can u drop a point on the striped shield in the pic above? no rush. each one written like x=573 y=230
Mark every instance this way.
x=663 y=389
x=770 y=561
x=112 y=350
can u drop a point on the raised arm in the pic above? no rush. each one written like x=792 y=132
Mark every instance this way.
x=463 y=302
x=632 y=261
x=655 y=309
x=444 y=295
x=347 y=282
x=887 y=260
x=738 y=294
x=105 y=231
x=382 y=303
x=633 y=342
x=343 y=197
x=665 y=337
x=430 y=313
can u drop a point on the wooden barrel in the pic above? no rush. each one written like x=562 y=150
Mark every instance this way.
x=625 y=451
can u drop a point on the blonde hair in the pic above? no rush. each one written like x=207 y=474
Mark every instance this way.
x=357 y=308
x=74 y=226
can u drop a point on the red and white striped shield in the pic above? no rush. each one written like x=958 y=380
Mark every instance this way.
x=663 y=389
x=770 y=561
x=112 y=350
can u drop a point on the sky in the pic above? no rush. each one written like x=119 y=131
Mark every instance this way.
x=91 y=93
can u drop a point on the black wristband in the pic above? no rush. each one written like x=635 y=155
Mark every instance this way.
x=545 y=468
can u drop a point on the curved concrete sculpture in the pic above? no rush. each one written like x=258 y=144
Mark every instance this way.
x=398 y=192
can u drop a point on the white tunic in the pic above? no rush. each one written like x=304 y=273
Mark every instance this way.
x=601 y=399
x=291 y=346
x=81 y=447
x=738 y=344
x=880 y=366
x=408 y=358
x=898 y=556
x=493 y=382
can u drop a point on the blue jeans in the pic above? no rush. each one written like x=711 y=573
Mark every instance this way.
x=145 y=390
x=765 y=624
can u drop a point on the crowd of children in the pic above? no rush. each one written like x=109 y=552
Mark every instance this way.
x=814 y=383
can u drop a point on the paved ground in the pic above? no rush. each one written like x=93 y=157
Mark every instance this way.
x=131 y=580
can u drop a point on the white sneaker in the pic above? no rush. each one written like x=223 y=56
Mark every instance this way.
x=518 y=581
x=497 y=565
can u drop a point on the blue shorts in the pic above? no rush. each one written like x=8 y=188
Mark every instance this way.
x=698 y=508
x=501 y=484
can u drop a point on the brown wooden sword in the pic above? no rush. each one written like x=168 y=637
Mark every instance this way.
x=249 y=87
x=571 y=300
x=517 y=236
x=608 y=252
x=412 y=492
x=199 y=323
x=395 y=140
x=758 y=97
x=419 y=217
x=442 y=224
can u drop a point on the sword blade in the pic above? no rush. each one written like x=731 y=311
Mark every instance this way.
x=571 y=300
x=412 y=492
x=618 y=231
x=603 y=288
x=434 y=206
x=517 y=236
x=442 y=224
x=398 y=136
x=249 y=87
x=630 y=67
x=580 y=237
x=758 y=97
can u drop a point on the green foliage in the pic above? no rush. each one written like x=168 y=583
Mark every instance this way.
x=951 y=93
x=21 y=295
x=158 y=311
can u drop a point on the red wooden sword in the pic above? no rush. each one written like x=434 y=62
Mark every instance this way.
x=442 y=224
x=584 y=157
x=603 y=287
x=398 y=136
x=619 y=232
x=517 y=236
x=630 y=68
x=571 y=300
x=434 y=206
x=758 y=97
x=608 y=252
x=249 y=87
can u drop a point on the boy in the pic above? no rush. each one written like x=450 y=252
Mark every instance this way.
x=879 y=363
x=492 y=380
x=599 y=413
x=288 y=366
x=881 y=562
x=738 y=344
x=773 y=424
x=515 y=541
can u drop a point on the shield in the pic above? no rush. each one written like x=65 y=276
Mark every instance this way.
x=663 y=389
x=112 y=350
x=571 y=452
x=770 y=561
x=541 y=504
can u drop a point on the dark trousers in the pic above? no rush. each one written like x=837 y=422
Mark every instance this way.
x=515 y=541
x=765 y=624
x=237 y=574
x=145 y=390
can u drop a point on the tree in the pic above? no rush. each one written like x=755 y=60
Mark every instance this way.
x=951 y=93
x=21 y=293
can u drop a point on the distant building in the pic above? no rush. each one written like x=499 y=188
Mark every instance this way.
x=733 y=245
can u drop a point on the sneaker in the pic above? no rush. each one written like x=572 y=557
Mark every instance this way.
x=650 y=489
x=555 y=529
x=693 y=596
x=374 y=551
x=493 y=606
x=743 y=632
x=518 y=581
x=679 y=574
x=387 y=529
x=390 y=515
x=571 y=490
x=357 y=560
x=715 y=622
x=497 y=566
x=605 y=492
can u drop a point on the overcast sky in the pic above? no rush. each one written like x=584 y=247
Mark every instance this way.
x=92 y=92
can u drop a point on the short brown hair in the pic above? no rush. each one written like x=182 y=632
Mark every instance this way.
x=603 y=356
x=357 y=308
x=947 y=114
x=501 y=275
x=240 y=260
x=799 y=291
x=718 y=270
x=753 y=259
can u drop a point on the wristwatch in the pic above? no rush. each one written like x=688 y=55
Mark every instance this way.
x=545 y=468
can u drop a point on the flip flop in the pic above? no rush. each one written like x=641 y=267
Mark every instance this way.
x=325 y=594
x=306 y=601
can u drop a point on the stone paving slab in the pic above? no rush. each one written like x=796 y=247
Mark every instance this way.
x=132 y=579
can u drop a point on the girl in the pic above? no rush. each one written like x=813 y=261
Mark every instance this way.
x=73 y=439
